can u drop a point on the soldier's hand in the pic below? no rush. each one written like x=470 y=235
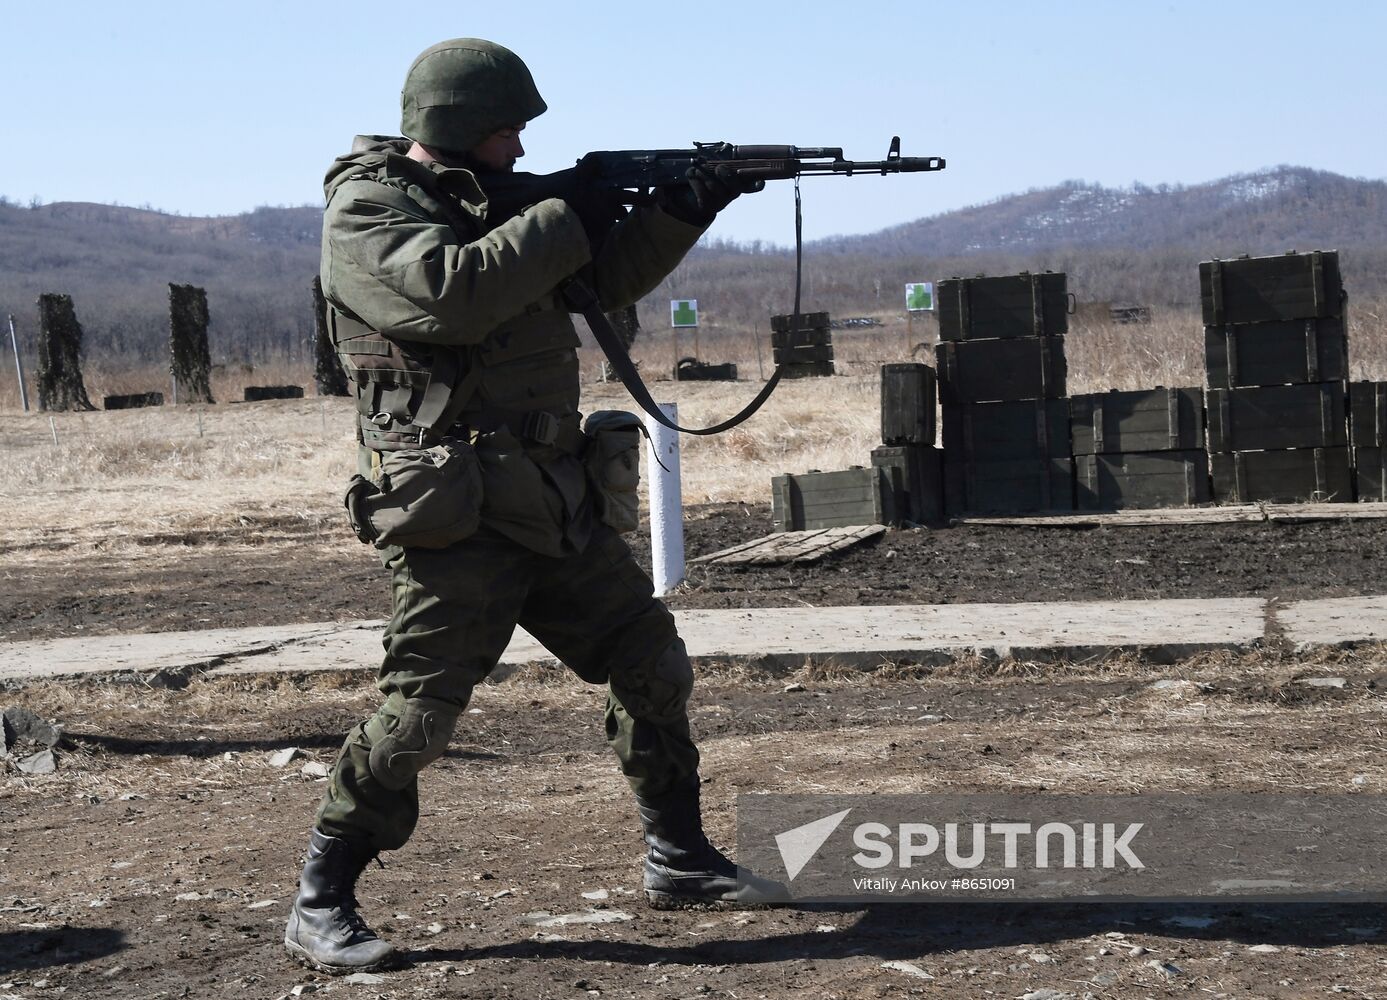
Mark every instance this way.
x=710 y=189
x=597 y=210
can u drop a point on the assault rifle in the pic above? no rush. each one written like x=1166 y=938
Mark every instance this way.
x=631 y=176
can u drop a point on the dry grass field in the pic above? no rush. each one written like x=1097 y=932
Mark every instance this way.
x=298 y=451
x=159 y=861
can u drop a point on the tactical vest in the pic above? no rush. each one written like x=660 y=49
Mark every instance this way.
x=524 y=375
x=405 y=392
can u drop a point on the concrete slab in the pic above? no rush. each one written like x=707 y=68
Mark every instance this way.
x=148 y=653
x=1334 y=621
x=286 y=648
x=1161 y=631
x=358 y=647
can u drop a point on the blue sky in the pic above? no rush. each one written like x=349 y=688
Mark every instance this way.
x=219 y=107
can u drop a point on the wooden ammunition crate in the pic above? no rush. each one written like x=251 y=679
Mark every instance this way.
x=829 y=499
x=693 y=370
x=804 y=351
x=1367 y=402
x=807 y=321
x=807 y=369
x=814 y=337
x=984 y=371
x=1008 y=487
x=913 y=476
x=1370 y=474
x=807 y=354
x=260 y=393
x=1016 y=305
x=1268 y=289
x=1141 y=479
x=1288 y=476
x=1276 y=353
x=130 y=401
x=1012 y=431
x=1274 y=417
x=1142 y=421
x=907 y=404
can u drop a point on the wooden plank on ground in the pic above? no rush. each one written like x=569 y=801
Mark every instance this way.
x=1290 y=513
x=1184 y=515
x=793 y=546
x=1232 y=514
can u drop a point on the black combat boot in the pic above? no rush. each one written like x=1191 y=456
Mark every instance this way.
x=682 y=869
x=324 y=929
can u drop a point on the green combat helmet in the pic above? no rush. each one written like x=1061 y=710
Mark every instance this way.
x=460 y=91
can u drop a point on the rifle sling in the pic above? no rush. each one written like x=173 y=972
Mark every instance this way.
x=582 y=299
x=579 y=297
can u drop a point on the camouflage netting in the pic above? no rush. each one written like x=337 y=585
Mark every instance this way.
x=190 y=361
x=60 y=356
x=627 y=326
x=327 y=369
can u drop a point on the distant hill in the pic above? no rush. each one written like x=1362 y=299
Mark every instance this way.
x=117 y=262
x=1283 y=208
x=1139 y=244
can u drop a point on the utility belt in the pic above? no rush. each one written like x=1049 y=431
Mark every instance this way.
x=538 y=427
x=534 y=427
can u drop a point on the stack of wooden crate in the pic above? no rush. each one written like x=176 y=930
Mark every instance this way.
x=1368 y=437
x=1276 y=353
x=1002 y=384
x=911 y=466
x=802 y=346
x=1139 y=449
x=903 y=486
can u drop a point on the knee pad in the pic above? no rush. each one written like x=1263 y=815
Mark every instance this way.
x=661 y=693
x=407 y=735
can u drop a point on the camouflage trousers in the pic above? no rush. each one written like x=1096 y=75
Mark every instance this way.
x=454 y=611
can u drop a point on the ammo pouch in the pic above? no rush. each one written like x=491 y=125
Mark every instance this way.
x=612 y=461
x=426 y=498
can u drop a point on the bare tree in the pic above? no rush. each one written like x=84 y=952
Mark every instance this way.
x=327 y=369
x=190 y=360
x=60 y=355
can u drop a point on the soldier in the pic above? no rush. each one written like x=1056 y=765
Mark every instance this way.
x=440 y=312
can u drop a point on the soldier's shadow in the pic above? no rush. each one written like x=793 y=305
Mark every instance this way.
x=913 y=931
x=213 y=747
x=41 y=948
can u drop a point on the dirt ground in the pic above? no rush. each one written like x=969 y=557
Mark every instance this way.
x=159 y=860
x=269 y=568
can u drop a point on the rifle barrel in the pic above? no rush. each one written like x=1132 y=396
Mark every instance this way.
x=897 y=165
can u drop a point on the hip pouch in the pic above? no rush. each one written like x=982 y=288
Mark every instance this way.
x=427 y=498
x=612 y=461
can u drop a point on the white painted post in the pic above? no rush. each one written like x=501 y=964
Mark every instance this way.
x=666 y=503
x=19 y=368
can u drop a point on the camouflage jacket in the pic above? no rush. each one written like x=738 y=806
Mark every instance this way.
x=408 y=250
